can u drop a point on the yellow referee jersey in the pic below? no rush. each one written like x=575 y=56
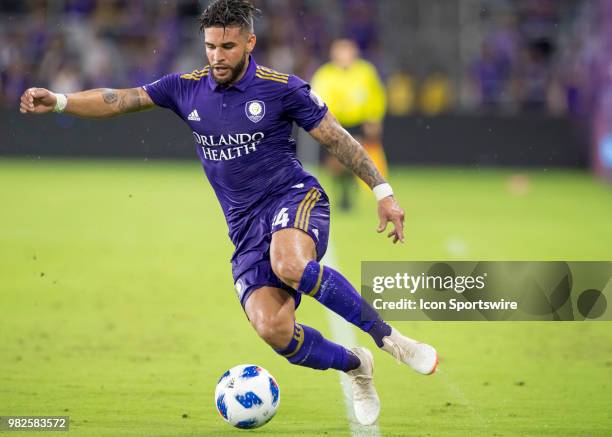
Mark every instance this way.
x=354 y=95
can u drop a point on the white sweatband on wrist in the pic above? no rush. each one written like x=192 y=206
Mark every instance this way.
x=383 y=190
x=61 y=101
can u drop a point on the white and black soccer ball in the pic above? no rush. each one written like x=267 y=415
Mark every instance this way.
x=247 y=396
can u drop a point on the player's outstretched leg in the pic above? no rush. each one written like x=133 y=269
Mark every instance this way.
x=271 y=311
x=293 y=256
x=330 y=288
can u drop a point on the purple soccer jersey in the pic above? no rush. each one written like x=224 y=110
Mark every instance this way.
x=243 y=137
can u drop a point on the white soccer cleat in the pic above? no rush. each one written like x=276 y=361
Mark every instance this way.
x=422 y=357
x=365 y=399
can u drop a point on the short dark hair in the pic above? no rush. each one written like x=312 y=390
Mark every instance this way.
x=229 y=13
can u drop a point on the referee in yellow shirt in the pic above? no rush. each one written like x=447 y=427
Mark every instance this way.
x=355 y=94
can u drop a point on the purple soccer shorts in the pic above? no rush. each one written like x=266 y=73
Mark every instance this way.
x=306 y=207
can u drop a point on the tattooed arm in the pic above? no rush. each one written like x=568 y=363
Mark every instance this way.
x=98 y=103
x=349 y=152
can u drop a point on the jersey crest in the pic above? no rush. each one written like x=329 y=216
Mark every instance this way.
x=255 y=110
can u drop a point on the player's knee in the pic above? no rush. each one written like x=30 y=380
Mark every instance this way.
x=289 y=270
x=274 y=330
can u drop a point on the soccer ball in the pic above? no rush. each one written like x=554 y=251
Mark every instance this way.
x=247 y=396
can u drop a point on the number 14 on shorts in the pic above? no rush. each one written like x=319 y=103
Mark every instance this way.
x=281 y=219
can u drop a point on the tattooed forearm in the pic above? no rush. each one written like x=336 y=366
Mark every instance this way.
x=350 y=153
x=109 y=96
x=124 y=101
x=107 y=102
x=130 y=101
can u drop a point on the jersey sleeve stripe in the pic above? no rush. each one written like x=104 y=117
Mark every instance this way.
x=269 y=70
x=197 y=74
x=201 y=73
x=285 y=81
x=271 y=74
x=192 y=77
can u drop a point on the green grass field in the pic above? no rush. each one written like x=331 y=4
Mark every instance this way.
x=118 y=307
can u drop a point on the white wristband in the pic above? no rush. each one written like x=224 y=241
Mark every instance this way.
x=383 y=190
x=60 y=103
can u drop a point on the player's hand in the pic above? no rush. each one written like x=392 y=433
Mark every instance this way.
x=37 y=101
x=390 y=211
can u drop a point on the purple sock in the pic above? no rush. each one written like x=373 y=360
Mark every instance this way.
x=332 y=290
x=308 y=348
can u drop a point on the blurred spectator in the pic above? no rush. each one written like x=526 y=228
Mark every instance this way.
x=361 y=23
x=401 y=93
x=80 y=8
x=436 y=94
x=68 y=79
x=534 y=75
x=491 y=74
x=13 y=80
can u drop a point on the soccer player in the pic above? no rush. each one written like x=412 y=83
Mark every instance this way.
x=241 y=115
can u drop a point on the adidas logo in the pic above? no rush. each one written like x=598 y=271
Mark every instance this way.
x=194 y=116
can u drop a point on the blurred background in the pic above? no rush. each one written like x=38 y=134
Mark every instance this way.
x=521 y=82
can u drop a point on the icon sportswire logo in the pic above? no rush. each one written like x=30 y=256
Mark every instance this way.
x=194 y=116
